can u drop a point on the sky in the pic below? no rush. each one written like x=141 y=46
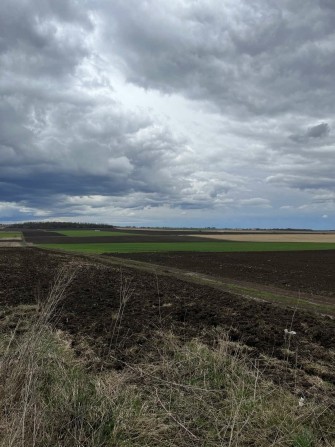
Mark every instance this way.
x=186 y=113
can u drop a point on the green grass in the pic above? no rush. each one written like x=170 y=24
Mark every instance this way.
x=10 y=234
x=90 y=233
x=138 y=247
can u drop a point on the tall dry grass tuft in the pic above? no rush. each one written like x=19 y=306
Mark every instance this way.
x=125 y=293
x=46 y=398
x=47 y=306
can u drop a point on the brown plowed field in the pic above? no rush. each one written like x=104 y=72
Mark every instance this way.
x=161 y=302
x=50 y=238
x=30 y=234
x=308 y=271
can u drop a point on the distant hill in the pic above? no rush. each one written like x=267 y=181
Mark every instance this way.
x=58 y=225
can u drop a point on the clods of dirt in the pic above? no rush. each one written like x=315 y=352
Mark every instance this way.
x=116 y=311
x=310 y=272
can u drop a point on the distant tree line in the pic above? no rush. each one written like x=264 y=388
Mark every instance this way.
x=58 y=225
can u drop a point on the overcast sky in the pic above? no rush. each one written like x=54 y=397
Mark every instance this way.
x=180 y=112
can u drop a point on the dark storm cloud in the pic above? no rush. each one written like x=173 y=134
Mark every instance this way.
x=319 y=131
x=42 y=37
x=60 y=136
x=245 y=57
x=59 y=148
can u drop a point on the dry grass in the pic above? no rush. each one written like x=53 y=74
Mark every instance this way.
x=193 y=395
x=47 y=400
x=201 y=396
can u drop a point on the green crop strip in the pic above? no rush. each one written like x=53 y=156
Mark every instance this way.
x=10 y=235
x=138 y=247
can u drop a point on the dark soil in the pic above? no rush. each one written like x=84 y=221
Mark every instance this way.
x=310 y=272
x=154 y=303
x=108 y=239
x=31 y=234
x=48 y=237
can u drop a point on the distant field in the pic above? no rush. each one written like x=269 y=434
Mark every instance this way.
x=138 y=247
x=300 y=237
x=10 y=235
x=91 y=233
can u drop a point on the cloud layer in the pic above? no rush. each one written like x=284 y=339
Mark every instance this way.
x=150 y=112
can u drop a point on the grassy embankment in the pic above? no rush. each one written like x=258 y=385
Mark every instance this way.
x=137 y=247
x=194 y=395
